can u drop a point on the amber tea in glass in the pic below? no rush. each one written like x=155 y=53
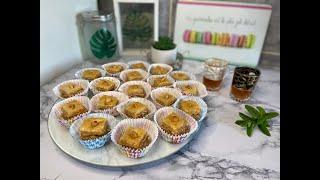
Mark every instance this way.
x=214 y=71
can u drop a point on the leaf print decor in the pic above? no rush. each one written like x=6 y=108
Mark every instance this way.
x=103 y=44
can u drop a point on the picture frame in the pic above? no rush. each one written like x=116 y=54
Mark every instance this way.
x=137 y=23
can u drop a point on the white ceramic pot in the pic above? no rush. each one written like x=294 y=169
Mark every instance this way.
x=163 y=56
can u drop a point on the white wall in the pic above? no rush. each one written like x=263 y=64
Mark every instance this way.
x=59 y=42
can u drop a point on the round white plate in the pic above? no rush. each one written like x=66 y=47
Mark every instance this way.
x=108 y=155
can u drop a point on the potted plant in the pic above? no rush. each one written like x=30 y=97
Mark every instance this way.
x=164 y=51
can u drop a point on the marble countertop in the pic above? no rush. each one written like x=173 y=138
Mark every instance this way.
x=221 y=150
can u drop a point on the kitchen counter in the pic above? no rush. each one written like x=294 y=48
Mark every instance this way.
x=221 y=149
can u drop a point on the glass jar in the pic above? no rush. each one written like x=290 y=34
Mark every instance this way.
x=98 y=36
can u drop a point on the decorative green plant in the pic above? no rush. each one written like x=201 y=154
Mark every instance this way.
x=257 y=117
x=164 y=43
x=103 y=44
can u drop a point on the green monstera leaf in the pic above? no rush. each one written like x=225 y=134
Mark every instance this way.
x=103 y=44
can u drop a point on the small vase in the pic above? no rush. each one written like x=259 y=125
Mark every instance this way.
x=164 y=56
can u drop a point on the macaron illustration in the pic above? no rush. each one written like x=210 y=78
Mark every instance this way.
x=226 y=40
x=250 y=41
x=234 y=40
x=186 y=35
x=199 y=37
x=206 y=39
x=220 y=39
x=214 y=38
x=241 y=41
x=192 y=38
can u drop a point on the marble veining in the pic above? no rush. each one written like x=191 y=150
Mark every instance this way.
x=221 y=150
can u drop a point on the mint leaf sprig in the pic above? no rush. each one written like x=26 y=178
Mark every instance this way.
x=257 y=117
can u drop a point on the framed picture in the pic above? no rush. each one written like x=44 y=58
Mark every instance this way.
x=137 y=24
x=225 y=30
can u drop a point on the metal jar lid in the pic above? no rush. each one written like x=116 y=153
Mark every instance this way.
x=100 y=16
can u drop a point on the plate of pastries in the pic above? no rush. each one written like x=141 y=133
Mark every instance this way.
x=126 y=114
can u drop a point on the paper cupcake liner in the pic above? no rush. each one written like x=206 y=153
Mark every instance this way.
x=123 y=74
x=146 y=124
x=147 y=88
x=93 y=87
x=154 y=93
x=124 y=65
x=175 y=139
x=113 y=111
x=151 y=78
x=83 y=83
x=191 y=75
x=149 y=104
x=96 y=142
x=57 y=111
x=201 y=88
x=162 y=65
x=200 y=102
x=146 y=65
x=78 y=74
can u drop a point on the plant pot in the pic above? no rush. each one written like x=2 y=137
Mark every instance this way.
x=163 y=56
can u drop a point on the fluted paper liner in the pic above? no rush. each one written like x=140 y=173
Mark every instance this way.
x=146 y=124
x=201 y=87
x=96 y=142
x=175 y=139
x=113 y=111
x=147 y=88
x=83 y=83
x=78 y=74
x=154 y=93
x=191 y=75
x=199 y=101
x=124 y=65
x=151 y=78
x=146 y=65
x=162 y=65
x=123 y=74
x=149 y=104
x=57 y=111
x=93 y=87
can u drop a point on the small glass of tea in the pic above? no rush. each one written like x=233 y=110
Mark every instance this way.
x=243 y=83
x=214 y=71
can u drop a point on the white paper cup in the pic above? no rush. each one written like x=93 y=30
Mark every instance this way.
x=202 y=91
x=151 y=78
x=96 y=142
x=199 y=101
x=146 y=65
x=78 y=74
x=113 y=111
x=149 y=104
x=162 y=65
x=154 y=93
x=191 y=75
x=123 y=74
x=124 y=87
x=124 y=65
x=96 y=91
x=83 y=83
x=175 y=139
x=67 y=122
x=146 y=124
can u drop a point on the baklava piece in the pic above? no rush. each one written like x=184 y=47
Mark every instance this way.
x=107 y=102
x=92 y=128
x=134 y=137
x=136 y=110
x=180 y=76
x=165 y=99
x=91 y=74
x=138 y=66
x=113 y=69
x=190 y=90
x=159 y=70
x=175 y=125
x=72 y=109
x=136 y=91
x=161 y=82
x=134 y=76
x=70 y=89
x=191 y=107
x=105 y=85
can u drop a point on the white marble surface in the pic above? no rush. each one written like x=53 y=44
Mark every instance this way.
x=222 y=150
